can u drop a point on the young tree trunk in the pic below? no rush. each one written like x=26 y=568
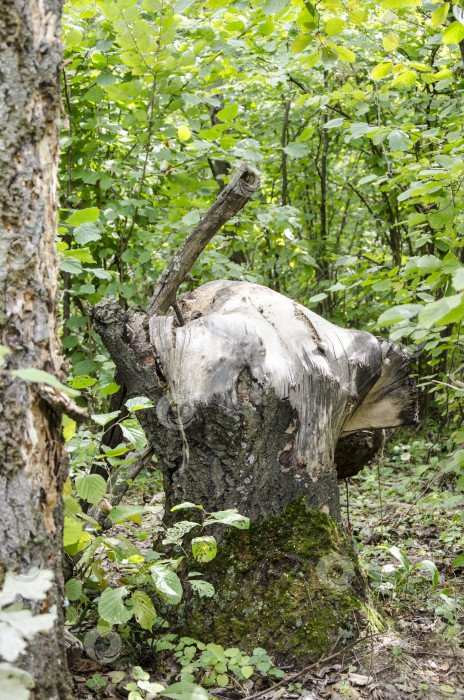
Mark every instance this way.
x=251 y=396
x=33 y=464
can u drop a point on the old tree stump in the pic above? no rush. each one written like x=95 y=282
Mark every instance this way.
x=252 y=394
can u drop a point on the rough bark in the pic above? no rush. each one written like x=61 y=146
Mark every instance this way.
x=33 y=464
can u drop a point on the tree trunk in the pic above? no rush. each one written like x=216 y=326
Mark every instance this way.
x=251 y=396
x=33 y=460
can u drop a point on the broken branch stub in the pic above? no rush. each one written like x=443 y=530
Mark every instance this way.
x=231 y=199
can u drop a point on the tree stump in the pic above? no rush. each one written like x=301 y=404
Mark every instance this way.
x=252 y=395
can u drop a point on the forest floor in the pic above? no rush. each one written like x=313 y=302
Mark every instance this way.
x=402 y=510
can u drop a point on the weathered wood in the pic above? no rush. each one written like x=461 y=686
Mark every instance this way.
x=230 y=200
x=250 y=355
x=34 y=463
x=252 y=395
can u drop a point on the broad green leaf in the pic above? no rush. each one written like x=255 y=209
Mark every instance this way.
x=228 y=113
x=204 y=548
x=186 y=504
x=185 y=691
x=400 y=556
x=296 y=150
x=345 y=54
x=182 y=5
x=431 y=568
x=439 y=15
x=134 y=433
x=247 y=671
x=104 y=418
x=85 y=233
x=454 y=34
x=83 y=216
x=459 y=561
x=111 y=606
x=334 y=26
x=229 y=517
x=272 y=7
x=121 y=513
x=144 y=610
x=69 y=427
x=40 y=377
x=458 y=279
x=398 y=313
x=91 y=487
x=442 y=312
x=138 y=403
x=167 y=584
x=72 y=531
x=203 y=588
x=333 y=123
x=301 y=42
x=184 y=133
x=73 y=589
x=391 y=41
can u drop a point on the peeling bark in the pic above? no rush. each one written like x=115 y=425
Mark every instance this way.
x=33 y=464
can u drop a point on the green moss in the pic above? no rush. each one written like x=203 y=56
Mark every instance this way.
x=292 y=585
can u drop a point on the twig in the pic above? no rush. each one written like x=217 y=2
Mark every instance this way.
x=304 y=670
x=230 y=200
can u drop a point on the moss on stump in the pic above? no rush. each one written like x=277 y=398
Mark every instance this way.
x=292 y=585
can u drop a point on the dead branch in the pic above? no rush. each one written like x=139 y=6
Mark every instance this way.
x=230 y=200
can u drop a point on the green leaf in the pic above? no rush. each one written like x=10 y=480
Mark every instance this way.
x=104 y=418
x=182 y=5
x=247 y=671
x=41 y=377
x=272 y=7
x=134 y=433
x=203 y=588
x=459 y=561
x=85 y=233
x=138 y=403
x=184 y=133
x=334 y=26
x=391 y=41
x=453 y=34
x=91 y=487
x=73 y=589
x=111 y=606
x=333 y=123
x=229 y=517
x=144 y=610
x=442 y=312
x=400 y=556
x=204 y=548
x=222 y=680
x=167 y=584
x=121 y=513
x=439 y=15
x=381 y=70
x=228 y=113
x=296 y=150
x=431 y=568
x=72 y=531
x=398 y=313
x=185 y=690
x=301 y=42
x=83 y=216
x=345 y=54
x=185 y=504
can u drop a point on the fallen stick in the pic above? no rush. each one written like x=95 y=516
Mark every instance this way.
x=304 y=670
